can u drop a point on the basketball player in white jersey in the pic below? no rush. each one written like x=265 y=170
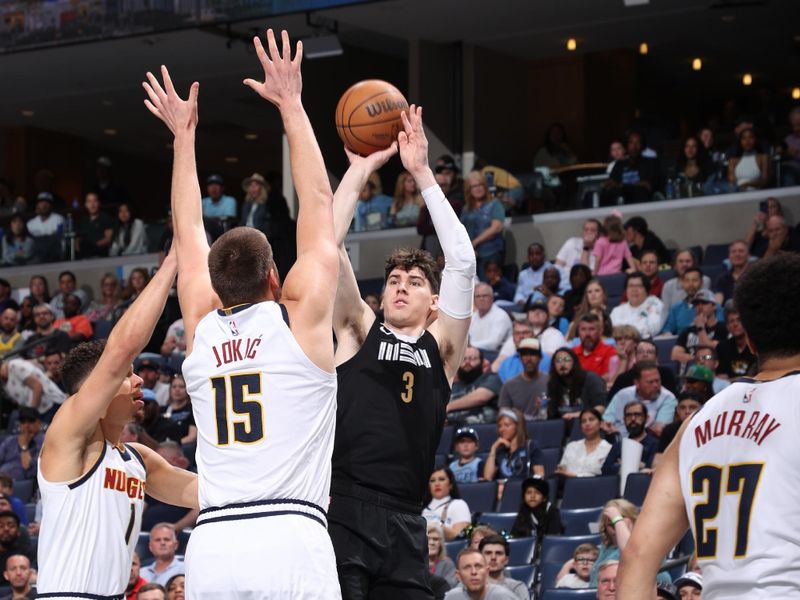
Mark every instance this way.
x=93 y=486
x=732 y=473
x=260 y=374
x=394 y=386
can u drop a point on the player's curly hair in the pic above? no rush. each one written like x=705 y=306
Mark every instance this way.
x=767 y=296
x=79 y=363
x=408 y=258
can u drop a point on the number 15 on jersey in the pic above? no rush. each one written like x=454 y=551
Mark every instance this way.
x=237 y=402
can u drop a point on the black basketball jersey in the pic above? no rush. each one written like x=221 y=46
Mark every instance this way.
x=391 y=409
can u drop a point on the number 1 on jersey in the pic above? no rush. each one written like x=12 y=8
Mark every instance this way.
x=240 y=388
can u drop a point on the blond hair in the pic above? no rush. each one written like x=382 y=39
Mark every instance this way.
x=438 y=529
x=625 y=508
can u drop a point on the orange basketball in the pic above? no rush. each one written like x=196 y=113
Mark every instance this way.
x=368 y=116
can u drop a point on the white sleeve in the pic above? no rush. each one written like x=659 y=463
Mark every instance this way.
x=458 y=277
x=458 y=512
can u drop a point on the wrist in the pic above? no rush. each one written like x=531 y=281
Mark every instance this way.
x=424 y=177
x=617 y=519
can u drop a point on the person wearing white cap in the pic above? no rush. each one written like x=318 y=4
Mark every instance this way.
x=689 y=586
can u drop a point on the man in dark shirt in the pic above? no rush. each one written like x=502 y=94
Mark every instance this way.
x=473 y=398
x=154 y=425
x=19 y=453
x=635 y=417
x=634 y=178
x=641 y=239
x=735 y=357
x=12 y=539
x=778 y=237
x=705 y=330
x=645 y=351
x=95 y=230
x=46 y=338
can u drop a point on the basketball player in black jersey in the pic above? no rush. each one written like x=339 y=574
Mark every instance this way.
x=394 y=384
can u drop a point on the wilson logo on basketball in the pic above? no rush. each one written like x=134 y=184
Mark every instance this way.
x=373 y=110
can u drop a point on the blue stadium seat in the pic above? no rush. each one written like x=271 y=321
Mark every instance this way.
x=23 y=489
x=454 y=547
x=480 y=497
x=567 y=594
x=715 y=254
x=441 y=459
x=547 y=434
x=713 y=271
x=576 y=520
x=512 y=494
x=614 y=284
x=520 y=551
x=667 y=274
x=664 y=349
x=487 y=434
x=576 y=433
x=143 y=548
x=588 y=492
x=524 y=573
x=499 y=521
x=636 y=487
x=30 y=512
x=183 y=540
x=549 y=572
x=446 y=441
x=550 y=458
x=373 y=285
x=560 y=548
x=697 y=251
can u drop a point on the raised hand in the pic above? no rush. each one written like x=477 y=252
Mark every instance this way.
x=283 y=82
x=412 y=141
x=178 y=114
x=374 y=161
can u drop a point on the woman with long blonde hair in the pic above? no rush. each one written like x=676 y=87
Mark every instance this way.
x=405 y=208
x=484 y=219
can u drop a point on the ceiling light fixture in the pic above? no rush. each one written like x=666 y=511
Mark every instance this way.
x=747 y=79
x=110 y=131
x=251 y=136
x=231 y=159
x=796 y=93
x=697 y=64
x=572 y=45
x=644 y=49
x=27 y=112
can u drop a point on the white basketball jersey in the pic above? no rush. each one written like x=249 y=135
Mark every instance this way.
x=90 y=527
x=739 y=466
x=265 y=414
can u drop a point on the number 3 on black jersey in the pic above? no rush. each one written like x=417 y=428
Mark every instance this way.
x=707 y=480
x=240 y=388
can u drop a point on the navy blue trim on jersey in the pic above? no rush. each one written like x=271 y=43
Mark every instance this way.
x=227 y=312
x=751 y=380
x=264 y=503
x=80 y=595
x=88 y=474
x=258 y=515
x=285 y=314
x=136 y=454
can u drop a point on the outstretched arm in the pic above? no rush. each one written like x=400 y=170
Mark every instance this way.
x=77 y=419
x=196 y=296
x=352 y=318
x=167 y=483
x=455 y=294
x=659 y=527
x=308 y=287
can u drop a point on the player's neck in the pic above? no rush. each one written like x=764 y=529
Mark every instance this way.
x=775 y=368
x=111 y=430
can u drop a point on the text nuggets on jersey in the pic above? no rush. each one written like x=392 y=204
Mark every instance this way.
x=122 y=482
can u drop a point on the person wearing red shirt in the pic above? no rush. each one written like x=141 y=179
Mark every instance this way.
x=136 y=581
x=75 y=325
x=648 y=264
x=593 y=354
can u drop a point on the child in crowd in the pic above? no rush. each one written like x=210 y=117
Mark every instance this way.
x=467 y=468
x=576 y=571
x=555 y=311
x=611 y=249
x=537 y=516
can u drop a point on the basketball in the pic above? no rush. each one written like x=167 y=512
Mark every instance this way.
x=368 y=116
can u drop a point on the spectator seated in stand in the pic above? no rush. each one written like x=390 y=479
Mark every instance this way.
x=17 y=572
x=503 y=289
x=129 y=237
x=473 y=573
x=152 y=591
x=490 y=324
x=699 y=379
x=627 y=337
x=579 y=277
x=658 y=401
x=28 y=386
x=6 y=301
x=790 y=167
x=45 y=336
x=443 y=504
x=749 y=168
x=446 y=175
x=67 y=284
x=46 y=229
x=19 y=454
x=634 y=178
x=642 y=310
x=706 y=356
x=642 y=239
x=102 y=309
x=407 y=202
x=554 y=152
x=372 y=211
x=525 y=391
x=512 y=454
x=76 y=325
x=673 y=291
x=689 y=402
x=594 y=298
x=570 y=389
x=648 y=265
x=496 y=550
x=692 y=169
x=13 y=538
x=484 y=219
x=17 y=243
x=163 y=546
x=179 y=411
x=576 y=571
x=578 y=250
x=611 y=251
x=507 y=188
x=467 y=467
x=537 y=516
x=585 y=458
x=531 y=276
x=473 y=397
x=682 y=314
x=550 y=338
x=705 y=329
x=508 y=363
x=136 y=581
x=137 y=281
x=738 y=259
x=153 y=423
x=10 y=338
x=217 y=205
x=778 y=237
x=262 y=209
x=645 y=351
x=635 y=415
x=52 y=368
x=95 y=230
x=735 y=357
x=438 y=561
x=174 y=344
x=593 y=354
x=555 y=314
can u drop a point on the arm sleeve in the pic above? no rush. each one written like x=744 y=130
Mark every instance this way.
x=455 y=293
x=458 y=512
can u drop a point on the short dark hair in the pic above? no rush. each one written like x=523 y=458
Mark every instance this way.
x=406 y=259
x=6 y=480
x=638 y=224
x=533 y=245
x=697 y=270
x=641 y=276
x=149 y=587
x=645 y=365
x=588 y=317
x=79 y=363
x=653 y=252
x=709 y=349
x=691 y=395
x=239 y=264
x=494 y=539
x=70 y=273
x=767 y=295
